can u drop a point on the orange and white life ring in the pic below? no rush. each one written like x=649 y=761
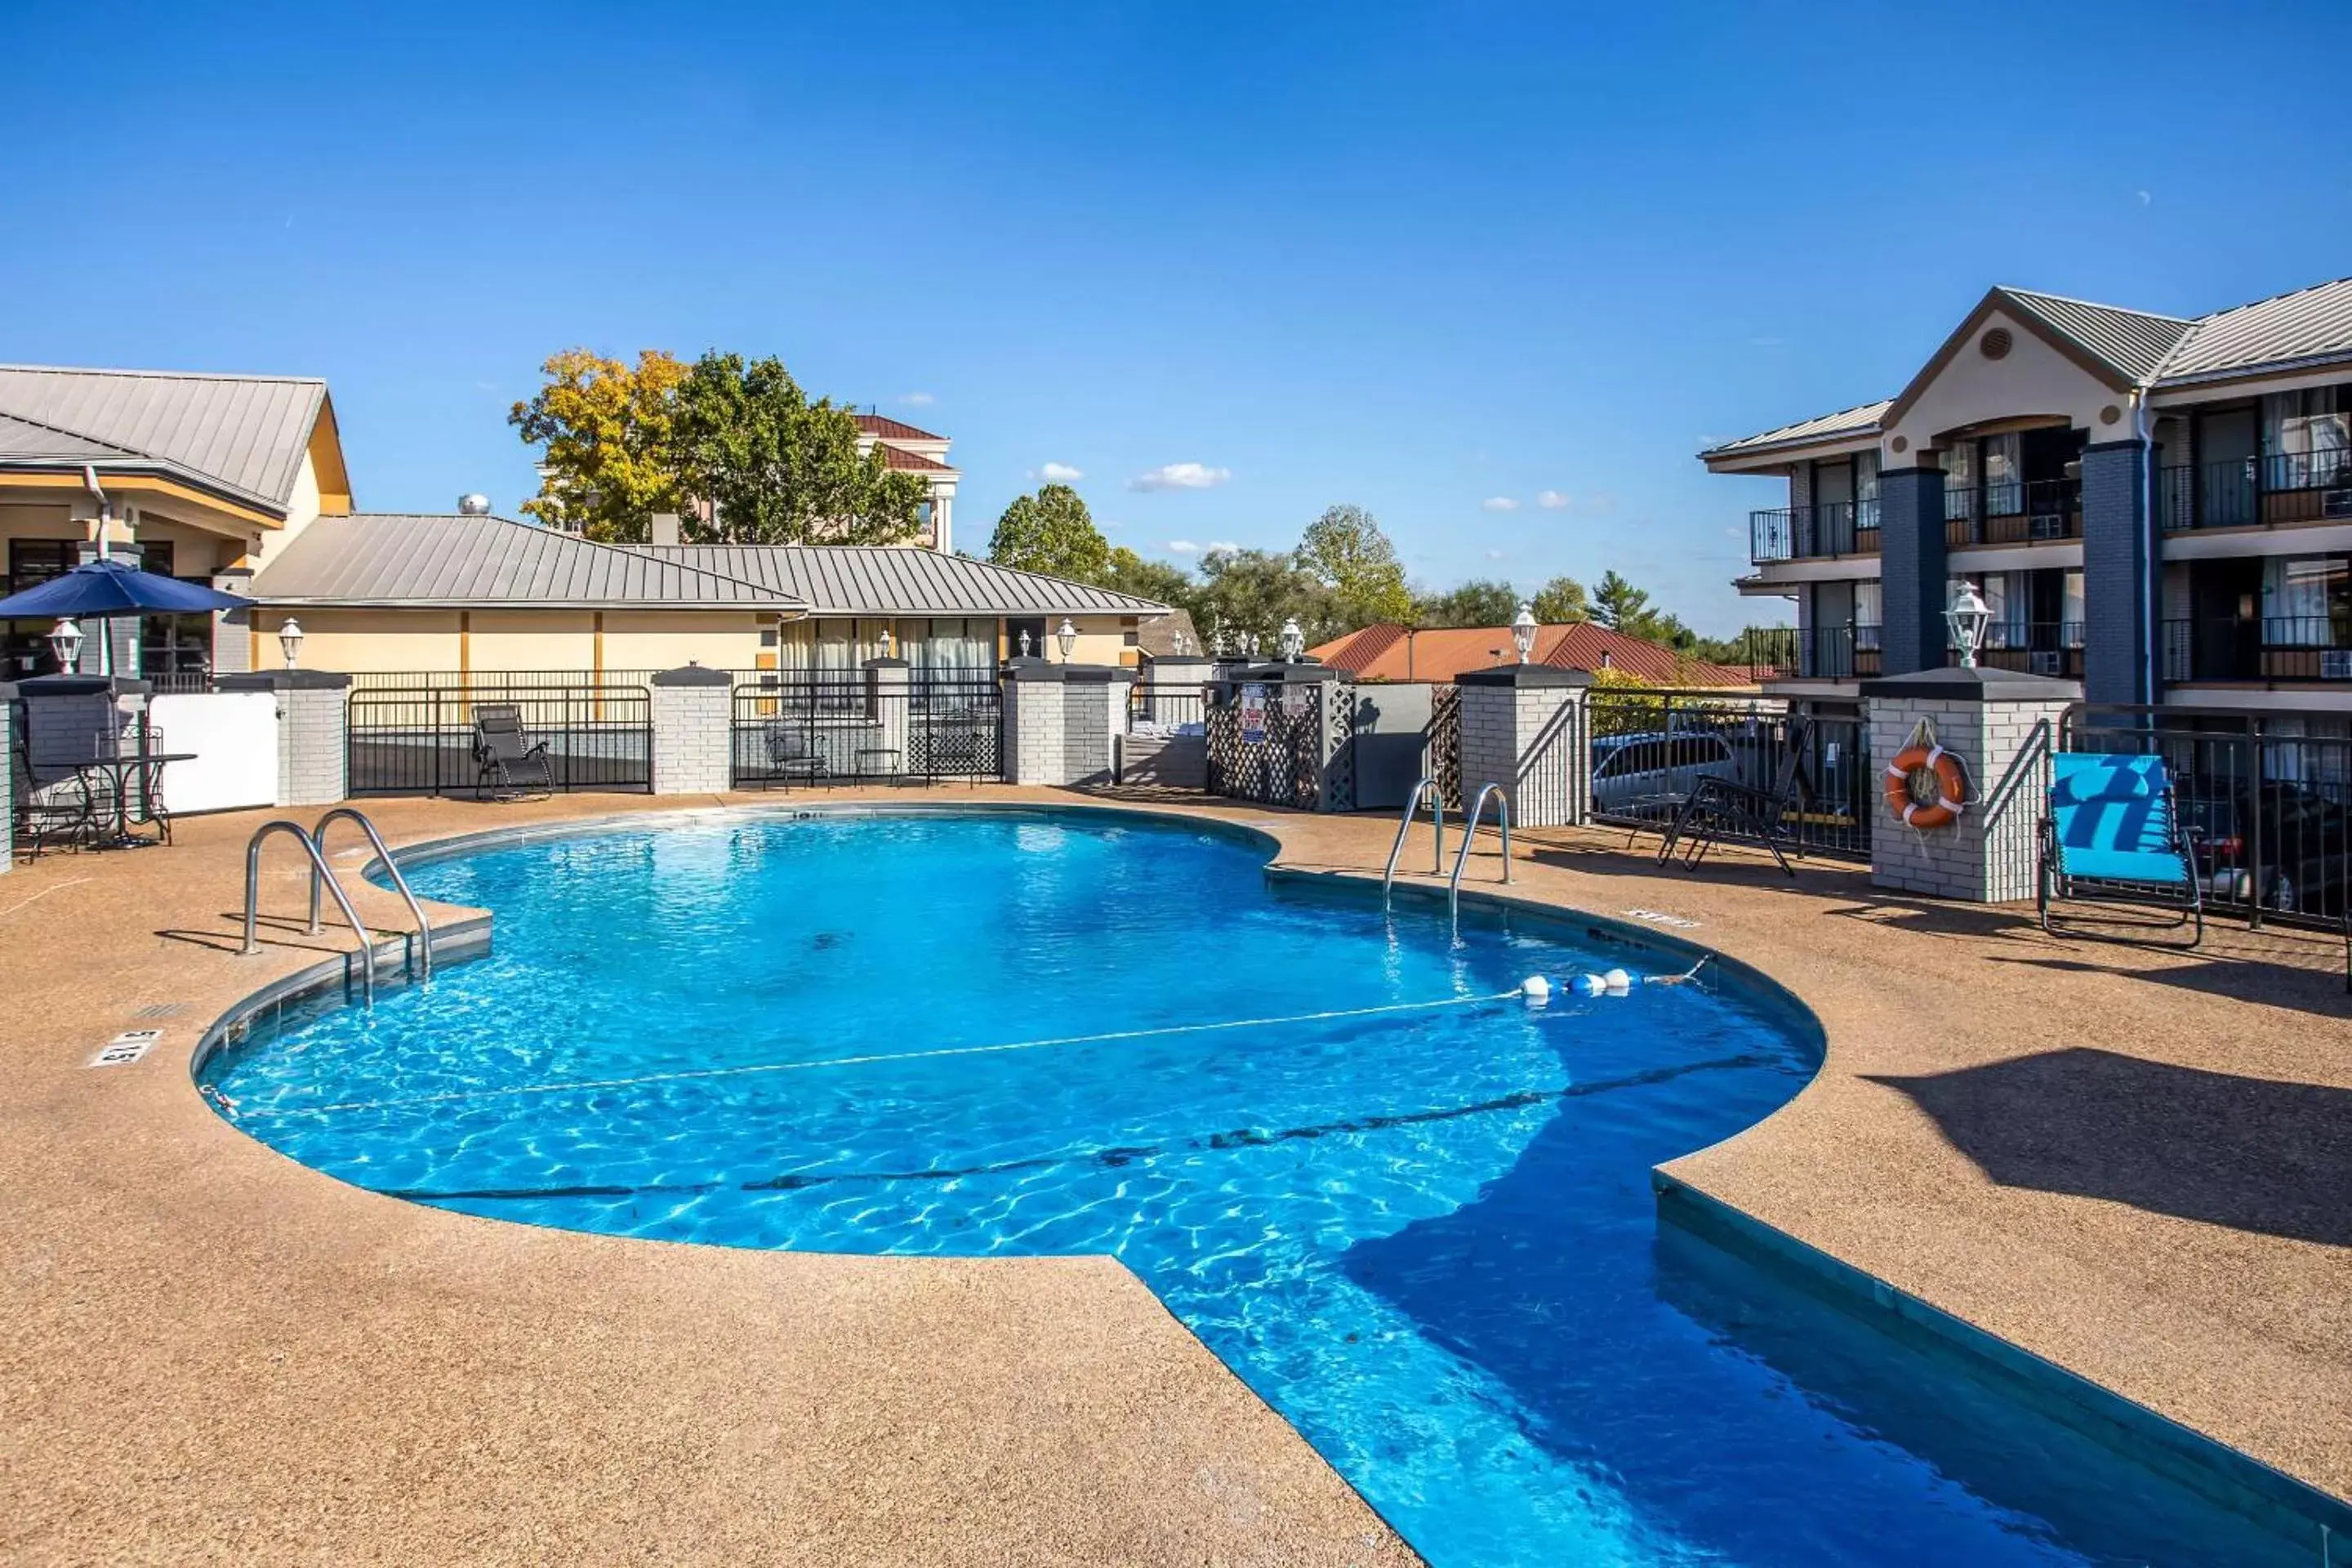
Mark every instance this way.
x=1926 y=787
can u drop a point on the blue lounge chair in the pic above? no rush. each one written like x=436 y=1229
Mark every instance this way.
x=2113 y=834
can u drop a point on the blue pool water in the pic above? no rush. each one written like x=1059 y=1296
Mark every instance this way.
x=1425 y=1235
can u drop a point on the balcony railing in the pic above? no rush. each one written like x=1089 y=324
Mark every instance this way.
x=2285 y=488
x=2031 y=648
x=1813 y=653
x=1827 y=527
x=2277 y=648
x=2013 y=511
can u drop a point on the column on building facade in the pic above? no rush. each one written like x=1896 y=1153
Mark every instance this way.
x=8 y=773
x=888 y=690
x=1911 y=569
x=693 y=714
x=232 y=629
x=2001 y=727
x=2121 y=552
x=313 y=742
x=1523 y=729
x=1032 y=722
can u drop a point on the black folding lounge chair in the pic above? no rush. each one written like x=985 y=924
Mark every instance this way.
x=510 y=765
x=62 y=812
x=1720 y=809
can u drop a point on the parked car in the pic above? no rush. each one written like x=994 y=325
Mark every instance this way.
x=1650 y=774
x=2306 y=844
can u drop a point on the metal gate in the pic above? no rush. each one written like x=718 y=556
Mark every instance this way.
x=816 y=727
x=416 y=735
x=1650 y=748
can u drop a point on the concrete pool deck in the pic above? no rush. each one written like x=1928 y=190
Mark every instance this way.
x=2138 y=1165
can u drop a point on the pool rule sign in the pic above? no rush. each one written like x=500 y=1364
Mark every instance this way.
x=1252 y=714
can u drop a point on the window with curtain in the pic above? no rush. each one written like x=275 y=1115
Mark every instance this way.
x=2070 y=610
x=2004 y=472
x=1869 y=602
x=1961 y=479
x=2307 y=438
x=1865 y=488
x=2307 y=601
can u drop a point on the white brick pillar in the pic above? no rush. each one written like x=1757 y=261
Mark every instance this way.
x=69 y=719
x=1523 y=727
x=1035 y=714
x=313 y=711
x=2003 y=727
x=233 y=629
x=693 y=722
x=8 y=776
x=1094 y=711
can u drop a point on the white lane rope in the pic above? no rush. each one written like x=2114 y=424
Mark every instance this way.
x=572 y=1086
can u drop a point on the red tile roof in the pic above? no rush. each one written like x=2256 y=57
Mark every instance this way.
x=899 y=457
x=889 y=429
x=1389 y=653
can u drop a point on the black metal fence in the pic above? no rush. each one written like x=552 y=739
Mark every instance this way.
x=416 y=735
x=1649 y=749
x=838 y=726
x=2283 y=487
x=2265 y=799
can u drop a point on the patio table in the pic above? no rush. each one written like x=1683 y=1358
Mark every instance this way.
x=119 y=772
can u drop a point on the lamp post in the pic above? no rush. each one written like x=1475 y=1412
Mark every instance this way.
x=1292 y=640
x=1968 y=616
x=1067 y=636
x=65 y=641
x=289 y=642
x=1523 y=632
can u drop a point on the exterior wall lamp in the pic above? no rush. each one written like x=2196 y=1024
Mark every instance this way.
x=1523 y=632
x=1969 y=616
x=1067 y=636
x=289 y=642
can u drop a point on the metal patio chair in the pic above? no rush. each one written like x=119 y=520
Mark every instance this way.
x=64 y=810
x=2112 y=834
x=1721 y=808
x=791 y=754
x=509 y=764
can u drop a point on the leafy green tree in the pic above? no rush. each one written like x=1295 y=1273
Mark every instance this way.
x=1051 y=531
x=1473 y=603
x=1128 y=573
x=1562 y=600
x=607 y=462
x=1255 y=591
x=1622 y=607
x=1346 y=553
x=776 y=468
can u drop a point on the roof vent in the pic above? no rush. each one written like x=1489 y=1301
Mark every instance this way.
x=1995 y=344
x=475 y=504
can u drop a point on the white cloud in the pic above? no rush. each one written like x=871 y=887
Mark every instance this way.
x=1183 y=546
x=1179 y=477
x=1494 y=555
x=1552 y=500
x=917 y=399
x=1215 y=546
x=2144 y=197
x=1057 y=473
x=1499 y=503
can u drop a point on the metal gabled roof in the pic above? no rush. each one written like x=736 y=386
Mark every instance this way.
x=408 y=560
x=890 y=580
x=244 y=436
x=2309 y=326
x=2134 y=343
x=1860 y=420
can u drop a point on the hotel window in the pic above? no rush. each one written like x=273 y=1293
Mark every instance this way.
x=2306 y=438
x=2307 y=601
x=2070 y=610
x=1869 y=602
x=1960 y=480
x=2004 y=472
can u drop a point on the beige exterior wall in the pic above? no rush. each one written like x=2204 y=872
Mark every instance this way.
x=670 y=639
x=530 y=639
x=301 y=511
x=360 y=642
x=2033 y=378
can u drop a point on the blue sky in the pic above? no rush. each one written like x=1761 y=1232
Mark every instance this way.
x=1423 y=259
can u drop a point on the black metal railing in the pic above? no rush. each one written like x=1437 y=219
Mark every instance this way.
x=2265 y=800
x=1649 y=749
x=2030 y=648
x=1826 y=528
x=1167 y=708
x=2013 y=511
x=2276 y=647
x=838 y=726
x=419 y=739
x=1813 y=653
x=2283 y=488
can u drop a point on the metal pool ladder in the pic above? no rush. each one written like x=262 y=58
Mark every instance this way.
x=392 y=869
x=1470 y=833
x=323 y=874
x=1428 y=786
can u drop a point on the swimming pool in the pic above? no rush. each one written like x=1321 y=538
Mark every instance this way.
x=1410 y=1209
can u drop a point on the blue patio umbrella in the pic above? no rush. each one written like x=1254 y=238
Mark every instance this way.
x=102 y=590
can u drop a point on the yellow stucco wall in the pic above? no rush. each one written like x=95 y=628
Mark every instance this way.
x=359 y=641
x=669 y=639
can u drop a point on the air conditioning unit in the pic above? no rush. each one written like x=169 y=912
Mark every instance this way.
x=2043 y=661
x=2335 y=503
x=2336 y=664
x=2046 y=525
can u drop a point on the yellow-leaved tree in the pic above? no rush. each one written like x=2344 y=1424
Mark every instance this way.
x=607 y=463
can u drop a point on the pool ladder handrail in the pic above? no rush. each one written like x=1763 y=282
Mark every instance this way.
x=1427 y=786
x=392 y=869
x=1469 y=835
x=318 y=868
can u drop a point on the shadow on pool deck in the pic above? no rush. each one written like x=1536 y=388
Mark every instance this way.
x=2254 y=1154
